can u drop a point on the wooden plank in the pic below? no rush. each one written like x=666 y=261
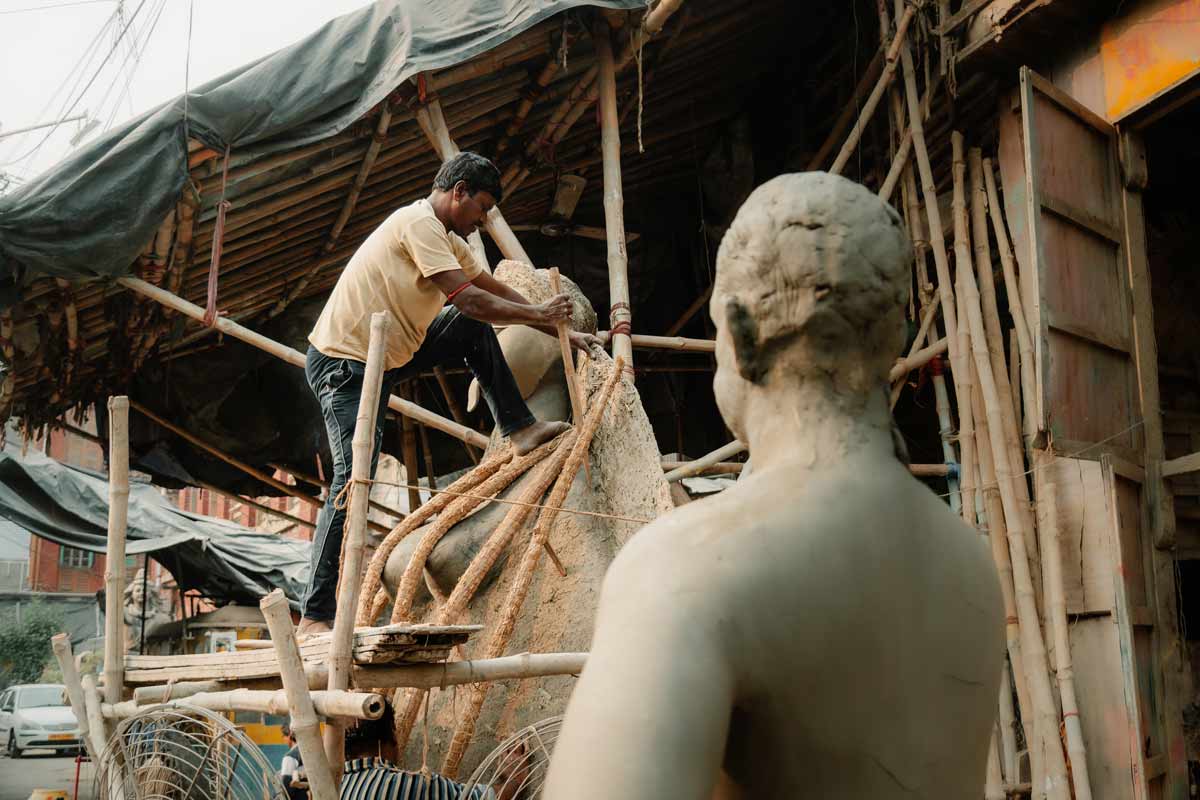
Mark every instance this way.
x=1100 y=694
x=1069 y=103
x=1181 y=466
x=1082 y=218
x=1074 y=448
x=1086 y=540
x=242 y=672
x=1082 y=330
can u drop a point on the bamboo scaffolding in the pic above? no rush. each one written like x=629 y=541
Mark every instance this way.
x=60 y=643
x=996 y=348
x=620 y=314
x=343 y=704
x=228 y=459
x=929 y=315
x=564 y=346
x=1008 y=730
x=360 y=180
x=929 y=188
x=296 y=358
x=840 y=125
x=885 y=79
x=354 y=535
x=1057 y=611
x=1043 y=709
x=98 y=728
x=993 y=787
x=483 y=562
x=964 y=380
x=300 y=475
x=261 y=507
x=648 y=342
x=523 y=577
x=114 y=562
x=305 y=726
x=704 y=462
x=946 y=431
x=1015 y=303
x=433 y=124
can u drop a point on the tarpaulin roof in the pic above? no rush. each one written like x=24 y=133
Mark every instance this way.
x=92 y=213
x=218 y=558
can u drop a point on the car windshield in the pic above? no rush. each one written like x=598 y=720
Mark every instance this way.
x=39 y=696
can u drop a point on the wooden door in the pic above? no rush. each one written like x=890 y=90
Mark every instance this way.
x=1075 y=279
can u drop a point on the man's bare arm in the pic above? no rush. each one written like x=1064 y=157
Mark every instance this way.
x=486 y=306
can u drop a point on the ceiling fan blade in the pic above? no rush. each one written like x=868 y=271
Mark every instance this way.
x=593 y=232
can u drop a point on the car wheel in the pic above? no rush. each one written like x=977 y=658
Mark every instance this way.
x=13 y=750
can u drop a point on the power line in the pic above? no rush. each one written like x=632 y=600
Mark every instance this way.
x=53 y=6
x=99 y=69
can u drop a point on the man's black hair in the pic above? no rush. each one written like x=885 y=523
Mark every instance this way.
x=480 y=174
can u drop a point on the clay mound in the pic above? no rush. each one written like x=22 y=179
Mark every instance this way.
x=559 y=612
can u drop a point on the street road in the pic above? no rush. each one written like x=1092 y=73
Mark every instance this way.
x=43 y=769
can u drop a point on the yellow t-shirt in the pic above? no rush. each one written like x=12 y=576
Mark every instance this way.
x=390 y=272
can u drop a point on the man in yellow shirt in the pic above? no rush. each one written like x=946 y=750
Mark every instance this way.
x=409 y=267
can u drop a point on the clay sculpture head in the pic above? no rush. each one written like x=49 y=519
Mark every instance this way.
x=811 y=281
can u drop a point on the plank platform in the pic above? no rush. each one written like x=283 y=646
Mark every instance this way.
x=387 y=644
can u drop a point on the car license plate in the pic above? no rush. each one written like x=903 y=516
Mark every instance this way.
x=58 y=737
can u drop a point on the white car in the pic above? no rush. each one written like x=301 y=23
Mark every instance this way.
x=37 y=715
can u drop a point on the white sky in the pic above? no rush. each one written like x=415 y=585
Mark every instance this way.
x=43 y=48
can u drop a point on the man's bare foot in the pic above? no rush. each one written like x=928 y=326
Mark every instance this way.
x=311 y=627
x=529 y=437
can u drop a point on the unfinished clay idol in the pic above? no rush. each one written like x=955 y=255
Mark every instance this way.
x=826 y=627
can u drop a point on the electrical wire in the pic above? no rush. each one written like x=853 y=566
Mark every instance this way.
x=79 y=97
x=54 y=5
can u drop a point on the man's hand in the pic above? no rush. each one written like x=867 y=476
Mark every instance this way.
x=584 y=341
x=555 y=309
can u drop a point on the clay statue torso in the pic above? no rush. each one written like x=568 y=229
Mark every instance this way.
x=849 y=617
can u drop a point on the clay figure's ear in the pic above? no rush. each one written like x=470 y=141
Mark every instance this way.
x=744 y=331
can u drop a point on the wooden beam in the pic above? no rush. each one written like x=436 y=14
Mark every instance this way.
x=1181 y=465
x=263 y=507
x=715 y=457
x=614 y=212
x=114 y=551
x=296 y=358
x=846 y=117
x=324 y=484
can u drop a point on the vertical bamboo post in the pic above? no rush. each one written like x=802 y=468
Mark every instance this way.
x=97 y=728
x=305 y=726
x=60 y=643
x=621 y=316
x=1052 y=559
x=114 y=561
x=946 y=430
x=937 y=236
x=1015 y=301
x=995 y=344
x=963 y=379
x=1008 y=731
x=564 y=345
x=1032 y=645
x=408 y=449
x=993 y=786
x=354 y=535
x=1014 y=374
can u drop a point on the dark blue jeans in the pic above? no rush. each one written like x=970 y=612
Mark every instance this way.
x=337 y=383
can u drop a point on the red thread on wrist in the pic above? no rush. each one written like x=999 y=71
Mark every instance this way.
x=455 y=293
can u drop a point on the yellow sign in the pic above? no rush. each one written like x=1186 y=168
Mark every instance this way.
x=1147 y=51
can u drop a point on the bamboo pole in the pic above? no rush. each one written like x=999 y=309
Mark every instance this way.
x=996 y=346
x=885 y=79
x=456 y=411
x=564 y=346
x=648 y=342
x=263 y=507
x=929 y=188
x=998 y=537
x=344 y=704
x=433 y=125
x=296 y=358
x=929 y=315
x=946 y=432
x=98 y=729
x=993 y=786
x=620 y=315
x=305 y=726
x=228 y=459
x=114 y=562
x=917 y=359
x=1008 y=730
x=1015 y=302
x=523 y=576
x=1032 y=645
x=869 y=77
x=354 y=534
x=1052 y=558
x=704 y=462
x=408 y=449
x=963 y=381
x=324 y=484
x=60 y=643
